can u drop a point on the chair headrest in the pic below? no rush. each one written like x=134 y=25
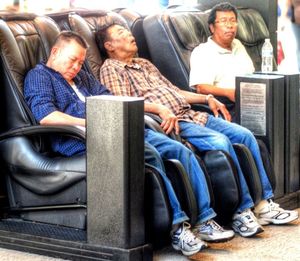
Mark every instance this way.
x=25 y=41
x=251 y=27
x=190 y=27
x=13 y=16
x=86 y=24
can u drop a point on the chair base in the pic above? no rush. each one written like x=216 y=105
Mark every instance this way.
x=60 y=242
x=75 y=218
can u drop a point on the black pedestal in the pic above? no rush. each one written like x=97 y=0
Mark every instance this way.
x=260 y=108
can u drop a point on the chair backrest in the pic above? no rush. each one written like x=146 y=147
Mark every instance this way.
x=252 y=32
x=172 y=35
x=25 y=40
x=86 y=23
x=135 y=23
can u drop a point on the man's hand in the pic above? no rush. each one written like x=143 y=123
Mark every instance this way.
x=169 y=120
x=217 y=106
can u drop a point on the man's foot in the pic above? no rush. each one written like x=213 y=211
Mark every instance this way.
x=272 y=213
x=211 y=231
x=183 y=239
x=246 y=224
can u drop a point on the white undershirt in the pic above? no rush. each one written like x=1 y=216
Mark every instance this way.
x=82 y=98
x=79 y=94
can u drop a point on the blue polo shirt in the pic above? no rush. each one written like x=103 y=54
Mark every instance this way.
x=46 y=91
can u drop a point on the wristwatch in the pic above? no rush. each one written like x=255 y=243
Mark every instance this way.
x=207 y=97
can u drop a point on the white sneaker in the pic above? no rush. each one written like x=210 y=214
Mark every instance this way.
x=272 y=213
x=211 y=231
x=183 y=239
x=246 y=224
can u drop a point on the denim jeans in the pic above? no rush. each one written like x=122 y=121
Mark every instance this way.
x=171 y=149
x=219 y=134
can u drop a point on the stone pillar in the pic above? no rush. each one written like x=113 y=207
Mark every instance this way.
x=292 y=132
x=115 y=172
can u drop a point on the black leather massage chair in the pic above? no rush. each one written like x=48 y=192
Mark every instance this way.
x=40 y=186
x=178 y=31
x=43 y=186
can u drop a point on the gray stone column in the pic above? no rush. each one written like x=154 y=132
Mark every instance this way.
x=291 y=132
x=115 y=171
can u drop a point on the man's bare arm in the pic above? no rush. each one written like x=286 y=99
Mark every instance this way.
x=212 y=102
x=60 y=118
x=216 y=91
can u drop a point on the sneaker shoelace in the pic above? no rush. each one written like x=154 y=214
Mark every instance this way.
x=186 y=235
x=274 y=206
x=214 y=225
x=248 y=217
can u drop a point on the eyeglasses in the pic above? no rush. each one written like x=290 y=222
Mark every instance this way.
x=227 y=22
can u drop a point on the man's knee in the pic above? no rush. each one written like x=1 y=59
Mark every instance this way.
x=246 y=134
x=222 y=143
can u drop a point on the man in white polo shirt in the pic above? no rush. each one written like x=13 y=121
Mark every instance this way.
x=215 y=64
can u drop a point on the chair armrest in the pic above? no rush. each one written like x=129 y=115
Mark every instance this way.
x=202 y=108
x=71 y=131
x=36 y=171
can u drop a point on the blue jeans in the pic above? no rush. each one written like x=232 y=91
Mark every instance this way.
x=171 y=149
x=219 y=134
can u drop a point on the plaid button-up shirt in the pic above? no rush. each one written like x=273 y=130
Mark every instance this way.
x=143 y=79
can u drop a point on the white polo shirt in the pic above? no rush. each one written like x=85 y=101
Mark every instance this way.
x=212 y=64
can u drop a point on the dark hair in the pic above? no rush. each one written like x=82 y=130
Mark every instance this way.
x=101 y=37
x=68 y=36
x=223 y=7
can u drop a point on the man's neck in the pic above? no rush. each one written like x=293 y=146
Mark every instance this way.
x=128 y=61
x=222 y=44
x=125 y=57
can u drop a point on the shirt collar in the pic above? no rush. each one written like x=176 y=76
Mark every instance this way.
x=135 y=65
x=220 y=49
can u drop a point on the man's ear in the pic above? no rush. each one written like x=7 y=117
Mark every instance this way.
x=54 y=51
x=108 y=46
x=212 y=29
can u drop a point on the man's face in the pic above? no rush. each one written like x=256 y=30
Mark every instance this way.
x=121 y=41
x=68 y=59
x=224 y=29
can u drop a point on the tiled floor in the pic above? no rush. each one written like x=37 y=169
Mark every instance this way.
x=275 y=243
x=280 y=243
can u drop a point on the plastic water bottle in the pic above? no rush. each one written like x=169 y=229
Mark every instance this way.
x=267 y=56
